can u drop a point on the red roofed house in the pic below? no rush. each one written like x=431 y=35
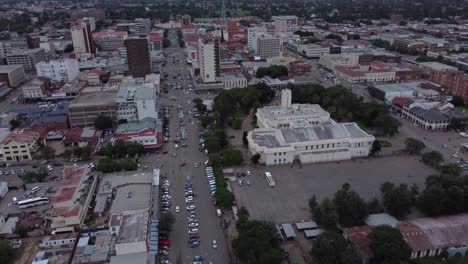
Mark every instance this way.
x=74 y=194
x=155 y=40
x=188 y=29
x=147 y=132
x=18 y=145
x=92 y=76
x=429 y=236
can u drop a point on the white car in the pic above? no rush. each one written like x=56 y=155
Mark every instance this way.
x=191 y=207
x=177 y=209
x=215 y=244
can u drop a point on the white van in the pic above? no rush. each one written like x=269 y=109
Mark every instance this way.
x=218 y=212
x=15 y=200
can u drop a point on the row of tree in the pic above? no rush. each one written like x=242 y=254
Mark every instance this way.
x=108 y=165
x=344 y=106
x=121 y=149
x=273 y=71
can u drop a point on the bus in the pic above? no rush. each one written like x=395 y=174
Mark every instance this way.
x=269 y=179
x=33 y=202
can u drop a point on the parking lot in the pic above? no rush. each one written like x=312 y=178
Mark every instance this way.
x=287 y=202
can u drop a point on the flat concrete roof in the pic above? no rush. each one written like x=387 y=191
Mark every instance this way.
x=132 y=197
x=91 y=99
x=9 y=68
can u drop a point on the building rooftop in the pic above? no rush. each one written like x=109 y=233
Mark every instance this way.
x=306 y=225
x=288 y=230
x=381 y=219
x=435 y=232
x=9 y=68
x=96 y=98
x=115 y=180
x=131 y=197
x=134 y=258
x=416 y=87
x=432 y=114
x=133 y=226
x=437 y=66
x=135 y=127
x=24 y=136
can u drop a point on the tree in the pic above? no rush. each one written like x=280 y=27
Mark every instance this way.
x=14 y=123
x=67 y=154
x=47 y=153
x=129 y=165
x=350 y=256
x=376 y=147
x=374 y=206
x=232 y=157
x=451 y=169
x=103 y=122
x=166 y=43
x=242 y=216
x=224 y=198
x=255 y=158
x=313 y=203
x=108 y=165
x=403 y=23
x=6 y=252
x=432 y=158
x=326 y=214
x=414 y=146
x=273 y=71
x=388 y=246
x=458 y=101
x=398 y=200
x=328 y=248
x=257 y=242
x=166 y=222
x=350 y=207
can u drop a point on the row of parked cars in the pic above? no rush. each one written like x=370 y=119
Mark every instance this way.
x=192 y=219
x=211 y=180
x=163 y=238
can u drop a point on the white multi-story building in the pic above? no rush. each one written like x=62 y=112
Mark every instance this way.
x=142 y=25
x=313 y=50
x=309 y=137
x=285 y=24
x=27 y=57
x=89 y=20
x=136 y=101
x=233 y=80
x=18 y=145
x=252 y=33
x=208 y=59
x=82 y=39
x=66 y=70
x=268 y=46
x=332 y=60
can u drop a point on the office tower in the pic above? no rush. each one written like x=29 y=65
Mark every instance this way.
x=138 y=56
x=208 y=57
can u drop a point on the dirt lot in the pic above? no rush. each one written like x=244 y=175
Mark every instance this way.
x=287 y=202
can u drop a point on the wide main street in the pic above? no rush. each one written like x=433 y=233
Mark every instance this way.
x=209 y=222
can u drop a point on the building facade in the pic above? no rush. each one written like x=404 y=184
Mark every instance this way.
x=19 y=145
x=304 y=133
x=285 y=24
x=36 y=88
x=209 y=59
x=66 y=70
x=136 y=101
x=144 y=132
x=138 y=56
x=85 y=108
x=12 y=75
x=268 y=46
x=82 y=38
x=28 y=58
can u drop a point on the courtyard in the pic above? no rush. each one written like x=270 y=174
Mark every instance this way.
x=288 y=201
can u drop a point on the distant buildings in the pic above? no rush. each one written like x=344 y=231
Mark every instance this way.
x=110 y=40
x=252 y=34
x=304 y=133
x=66 y=70
x=12 y=75
x=36 y=88
x=268 y=46
x=209 y=59
x=142 y=26
x=138 y=55
x=27 y=57
x=285 y=24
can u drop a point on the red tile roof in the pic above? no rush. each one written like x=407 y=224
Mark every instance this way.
x=20 y=136
x=400 y=101
x=153 y=36
x=358 y=236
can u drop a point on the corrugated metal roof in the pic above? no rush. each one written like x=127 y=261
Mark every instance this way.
x=288 y=230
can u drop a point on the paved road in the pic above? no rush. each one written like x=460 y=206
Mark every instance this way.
x=206 y=212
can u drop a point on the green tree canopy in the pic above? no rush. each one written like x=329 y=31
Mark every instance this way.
x=350 y=207
x=273 y=71
x=328 y=248
x=103 y=122
x=166 y=222
x=255 y=158
x=257 y=242
x=432 y=158
x=232 y=157
x=388 y=246
x=326 y=214
x=414 y=146
x=6 y=252
x=397 y=200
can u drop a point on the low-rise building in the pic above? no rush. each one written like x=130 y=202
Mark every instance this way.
x=136 y=100
x=18 y=145
x=92 y=77
x=233 y=80
x=425 y=116
x=147 y=132
x=36 y=88
x=85 y=108
x=387 y=92
x=12 y=75
x=110 y=40
x=73 y=197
